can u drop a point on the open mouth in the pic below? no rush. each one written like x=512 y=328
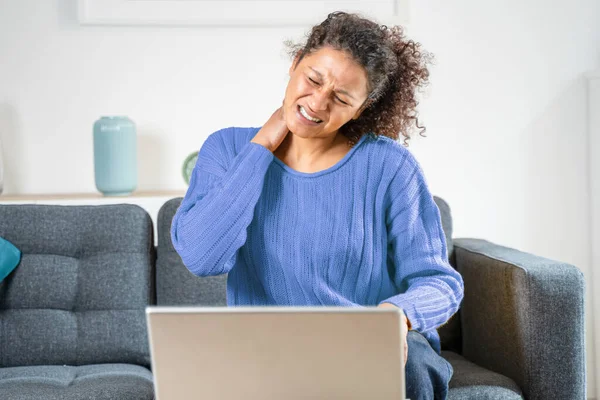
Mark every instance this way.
x=308 y=117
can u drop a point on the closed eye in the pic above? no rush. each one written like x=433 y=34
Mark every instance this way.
x=318 y=84
x=341 y=101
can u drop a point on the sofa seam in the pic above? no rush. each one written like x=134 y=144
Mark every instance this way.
x=530 y=325
x=83 y=255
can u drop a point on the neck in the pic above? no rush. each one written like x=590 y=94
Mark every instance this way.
x=299 y=149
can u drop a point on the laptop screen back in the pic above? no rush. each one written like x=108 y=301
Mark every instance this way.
x=274 y=353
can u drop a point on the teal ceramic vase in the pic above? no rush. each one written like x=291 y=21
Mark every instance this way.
x=115 y=156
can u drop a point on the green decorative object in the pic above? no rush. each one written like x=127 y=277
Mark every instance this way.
x=188 y=166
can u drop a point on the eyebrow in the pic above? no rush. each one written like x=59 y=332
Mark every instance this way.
x=342 y=91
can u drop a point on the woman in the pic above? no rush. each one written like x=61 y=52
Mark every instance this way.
x=321 y=205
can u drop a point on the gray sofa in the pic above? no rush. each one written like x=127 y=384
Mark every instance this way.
x=72 y=322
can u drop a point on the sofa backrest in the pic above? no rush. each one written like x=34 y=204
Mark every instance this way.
x=79 y=294
x=177 y=286
x=450 y=332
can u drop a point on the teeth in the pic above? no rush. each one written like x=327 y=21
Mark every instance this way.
x=303 y=112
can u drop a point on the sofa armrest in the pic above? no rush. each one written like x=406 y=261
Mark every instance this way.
x=523 y=316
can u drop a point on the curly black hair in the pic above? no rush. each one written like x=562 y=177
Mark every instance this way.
x=396 y=67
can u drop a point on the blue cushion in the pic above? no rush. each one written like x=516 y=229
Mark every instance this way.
x=9 y=258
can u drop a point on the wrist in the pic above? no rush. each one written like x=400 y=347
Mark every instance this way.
x=390 y=305
x=265 y=145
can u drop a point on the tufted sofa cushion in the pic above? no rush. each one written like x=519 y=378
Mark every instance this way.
x=79 y=294
x=62 y=382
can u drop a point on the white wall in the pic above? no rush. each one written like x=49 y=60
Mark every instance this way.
x=507 y=117
x=505 y=113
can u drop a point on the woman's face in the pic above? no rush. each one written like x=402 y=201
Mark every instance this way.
x=326 y=89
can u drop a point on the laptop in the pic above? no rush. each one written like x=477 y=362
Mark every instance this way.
x=275 y=353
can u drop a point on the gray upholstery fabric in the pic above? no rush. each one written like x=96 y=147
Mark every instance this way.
x=446 y=217
x=450 y=332
x=79 y=294
x=482 y=393
x=175 y=284
x=93 y=382
x=523 y=317
x=471 y=381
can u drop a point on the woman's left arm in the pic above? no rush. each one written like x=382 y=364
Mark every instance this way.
x=430 y=289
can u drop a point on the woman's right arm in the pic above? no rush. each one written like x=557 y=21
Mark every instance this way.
x=211 y=223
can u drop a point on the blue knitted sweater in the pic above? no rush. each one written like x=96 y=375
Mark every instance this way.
x=362 y=232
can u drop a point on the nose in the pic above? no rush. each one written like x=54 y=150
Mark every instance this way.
x=318 y=100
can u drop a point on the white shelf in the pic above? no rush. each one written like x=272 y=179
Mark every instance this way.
x=88 y=196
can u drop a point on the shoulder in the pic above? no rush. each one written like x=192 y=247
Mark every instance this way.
x=392 y=154
x=400 y=169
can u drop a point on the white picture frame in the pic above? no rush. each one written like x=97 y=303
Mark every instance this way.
x=257 y=13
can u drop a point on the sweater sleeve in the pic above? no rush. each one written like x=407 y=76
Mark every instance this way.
x=210 y=225
x=430 y=288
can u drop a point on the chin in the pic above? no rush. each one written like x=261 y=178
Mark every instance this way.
x=298 y=129
x=302 y=131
